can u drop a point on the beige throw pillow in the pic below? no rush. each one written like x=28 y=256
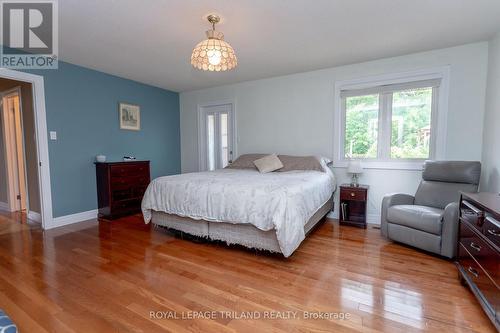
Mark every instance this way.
x=291 y=163
x=245 y=161
x=268 y=163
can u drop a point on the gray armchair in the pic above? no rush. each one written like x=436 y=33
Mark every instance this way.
x=428 y=220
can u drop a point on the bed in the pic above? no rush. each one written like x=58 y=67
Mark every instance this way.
x=272 y=211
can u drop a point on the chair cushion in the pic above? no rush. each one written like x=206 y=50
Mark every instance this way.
x=466 y=172
x=423 y=218
x=440 y=194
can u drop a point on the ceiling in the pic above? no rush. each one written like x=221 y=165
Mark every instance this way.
x=151 y=41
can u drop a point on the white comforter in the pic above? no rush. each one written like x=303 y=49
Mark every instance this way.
x=283 y=201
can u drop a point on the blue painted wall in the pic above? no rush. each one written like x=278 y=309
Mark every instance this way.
x=82 y=106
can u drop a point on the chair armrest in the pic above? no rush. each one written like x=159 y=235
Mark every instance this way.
x=393 y=200
x=449 y=231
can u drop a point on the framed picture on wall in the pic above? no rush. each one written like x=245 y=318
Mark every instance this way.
x=130 y=117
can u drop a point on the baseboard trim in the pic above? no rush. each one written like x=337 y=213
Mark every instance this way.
x=73 y=218
x=373 y=219
x=4 y=206
x=370 y=218
x=34 y=216
x=332 y=215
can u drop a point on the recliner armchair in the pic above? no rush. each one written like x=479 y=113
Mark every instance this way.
x=429 y=220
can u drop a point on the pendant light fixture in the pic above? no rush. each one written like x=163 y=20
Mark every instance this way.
x=214 y=54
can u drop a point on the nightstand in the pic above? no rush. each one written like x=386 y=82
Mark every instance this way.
x=353 y=201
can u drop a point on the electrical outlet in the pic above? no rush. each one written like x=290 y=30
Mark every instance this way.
x=53 y=135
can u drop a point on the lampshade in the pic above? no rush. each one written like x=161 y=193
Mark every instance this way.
x=214 y=54
x=355 y=167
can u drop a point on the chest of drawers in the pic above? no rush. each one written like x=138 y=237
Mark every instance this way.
x=478 y=259
x=120 y=187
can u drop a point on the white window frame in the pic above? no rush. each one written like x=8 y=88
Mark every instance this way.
x=438 y=122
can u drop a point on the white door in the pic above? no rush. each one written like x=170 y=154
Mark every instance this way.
x=14 y=148
x=216 y=132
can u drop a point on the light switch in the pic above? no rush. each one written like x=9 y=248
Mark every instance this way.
x=53 y=135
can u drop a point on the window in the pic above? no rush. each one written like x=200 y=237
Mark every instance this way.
x=361 y=126
x=390 y=122
x=411 y=120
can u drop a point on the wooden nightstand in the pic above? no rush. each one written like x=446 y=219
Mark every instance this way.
x=353 y=201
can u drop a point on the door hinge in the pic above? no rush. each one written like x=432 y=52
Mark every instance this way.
x=40 y=163
x=18 y=197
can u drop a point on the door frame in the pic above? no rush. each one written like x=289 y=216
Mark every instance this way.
x=202 y=147
x=41 y=137
x=12 y=166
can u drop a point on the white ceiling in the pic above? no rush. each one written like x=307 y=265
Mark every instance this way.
x=151 y=40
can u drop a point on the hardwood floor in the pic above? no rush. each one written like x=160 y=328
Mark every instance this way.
x=110 y=276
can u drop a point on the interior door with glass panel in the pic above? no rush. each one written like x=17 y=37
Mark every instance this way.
x=218 y=136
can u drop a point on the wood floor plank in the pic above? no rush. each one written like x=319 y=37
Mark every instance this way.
x=125 y=276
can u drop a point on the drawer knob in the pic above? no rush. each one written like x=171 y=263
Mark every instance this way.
x=353 y=194
x=473 y=272
x=475 y=246
x=494 y=232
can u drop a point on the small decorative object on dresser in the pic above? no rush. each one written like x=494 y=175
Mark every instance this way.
x=479 y=249
x=353 y=201
x=100 y=158
x=120 y=187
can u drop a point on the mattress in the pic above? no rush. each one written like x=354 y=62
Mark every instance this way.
x=230 y=233
x=283 y=202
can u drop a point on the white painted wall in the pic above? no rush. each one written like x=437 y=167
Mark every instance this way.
x=491 y=154
x=293 y=114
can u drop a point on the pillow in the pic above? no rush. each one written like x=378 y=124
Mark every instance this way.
x=291 y=163
x=268 y=163
x=245 y=161
x=325 y=160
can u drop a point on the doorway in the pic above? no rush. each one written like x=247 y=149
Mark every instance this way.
x=38 y=196
x=216 y=136
x=19 y=163
x=14 y=150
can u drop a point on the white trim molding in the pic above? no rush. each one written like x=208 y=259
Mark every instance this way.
x=370 y=218
x=41 y=139
x=4 y=206
x=34 y=216
x=373 y=218
x=441 y=118
x=73 y=218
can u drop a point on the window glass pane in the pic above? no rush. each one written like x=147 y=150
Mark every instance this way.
x=211 y=141
x=224 y=143
x=411 y=123
x=361 y=126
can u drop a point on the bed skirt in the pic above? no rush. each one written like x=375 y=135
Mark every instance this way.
x=231 y=233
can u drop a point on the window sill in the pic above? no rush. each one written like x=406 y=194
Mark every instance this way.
x=384 y=165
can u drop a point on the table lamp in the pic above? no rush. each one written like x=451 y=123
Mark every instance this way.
x=355 y=169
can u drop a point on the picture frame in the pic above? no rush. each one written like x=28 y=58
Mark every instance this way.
x=130 y=116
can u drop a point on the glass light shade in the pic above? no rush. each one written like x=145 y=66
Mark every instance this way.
x=354 y=167
x=214 y=54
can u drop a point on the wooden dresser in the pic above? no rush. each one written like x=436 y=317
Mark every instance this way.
x=479 y=249
x=353 y=201
x=120 y=187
